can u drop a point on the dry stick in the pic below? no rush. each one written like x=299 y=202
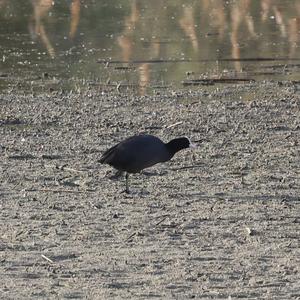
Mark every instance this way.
x=72 y=170
x=127 y=239
x=47 y=259
x=59 y=191
x=118 y=87
x=93 y=205
x=175 y=124
x=132 y=235
x=161 y=220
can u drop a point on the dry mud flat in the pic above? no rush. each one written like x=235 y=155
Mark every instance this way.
x=221 y=222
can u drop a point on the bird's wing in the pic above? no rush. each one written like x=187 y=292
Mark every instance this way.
x=107 y=154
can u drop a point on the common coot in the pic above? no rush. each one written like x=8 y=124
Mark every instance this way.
x=140 y=152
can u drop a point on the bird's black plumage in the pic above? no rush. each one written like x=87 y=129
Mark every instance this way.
x=140 y=152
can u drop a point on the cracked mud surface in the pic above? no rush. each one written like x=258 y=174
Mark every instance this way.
x=218 y=222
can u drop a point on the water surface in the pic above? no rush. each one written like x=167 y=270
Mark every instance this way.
x=146 y=45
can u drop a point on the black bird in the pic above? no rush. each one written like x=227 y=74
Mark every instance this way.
x=141 y=151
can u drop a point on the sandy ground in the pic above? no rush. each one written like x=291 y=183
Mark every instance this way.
x=219 y=222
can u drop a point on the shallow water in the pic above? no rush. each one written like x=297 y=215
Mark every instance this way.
x=146 y=45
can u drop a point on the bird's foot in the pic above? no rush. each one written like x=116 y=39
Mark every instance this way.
x=116 y=176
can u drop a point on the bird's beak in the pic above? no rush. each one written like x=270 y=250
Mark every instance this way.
x=193 y=146
x=196 y=143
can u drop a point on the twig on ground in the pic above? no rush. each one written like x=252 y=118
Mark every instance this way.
x=47 y=259
x=132 y=235
x=163 y=219
x=175 y=124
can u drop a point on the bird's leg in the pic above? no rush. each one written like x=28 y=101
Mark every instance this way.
x=127 y=185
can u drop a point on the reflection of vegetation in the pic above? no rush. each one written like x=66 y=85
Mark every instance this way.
x=13 y=16
x=148 y=30
x=97 y=17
